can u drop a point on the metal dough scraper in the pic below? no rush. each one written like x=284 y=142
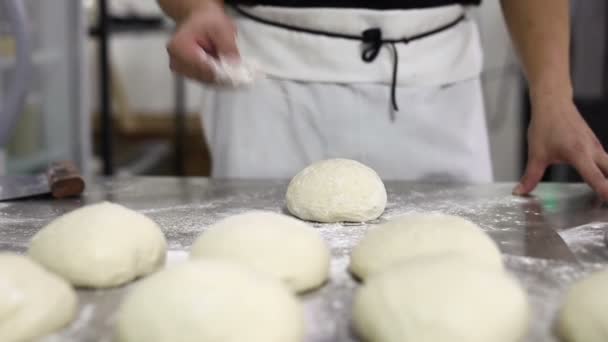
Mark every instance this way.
x=541 y=240
x=61 y=180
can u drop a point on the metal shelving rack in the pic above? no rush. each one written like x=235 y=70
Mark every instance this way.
x=107 y=26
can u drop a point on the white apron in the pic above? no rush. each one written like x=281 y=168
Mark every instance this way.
x=320 y=100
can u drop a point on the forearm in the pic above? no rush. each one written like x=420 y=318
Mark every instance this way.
x=540 y=30
x=180 y=9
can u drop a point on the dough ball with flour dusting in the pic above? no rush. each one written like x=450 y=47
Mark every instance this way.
x=336 y=190
x=280 y=245
x=33 y=301
x=210 y=300
x=421 y=234
x=100 y=245
x=444 y=297
x=584 y=316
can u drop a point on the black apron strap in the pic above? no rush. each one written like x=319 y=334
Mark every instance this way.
x=371 y=38
x=363 y=4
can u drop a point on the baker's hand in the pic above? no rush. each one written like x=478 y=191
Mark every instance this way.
x=558 y=134
x=206 y=32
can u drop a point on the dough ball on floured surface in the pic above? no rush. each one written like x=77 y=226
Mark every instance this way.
x=33 y=301
x=421 y=234
x=100 y=245
x=336 y=190
x=584 y=314
x=209 y=301
x=280 y=245
x=441 y=298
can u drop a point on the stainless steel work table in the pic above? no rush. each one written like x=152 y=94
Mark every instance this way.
x=184 y=207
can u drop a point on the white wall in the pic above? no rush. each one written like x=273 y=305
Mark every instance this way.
x=142 y=63
x=143 y=66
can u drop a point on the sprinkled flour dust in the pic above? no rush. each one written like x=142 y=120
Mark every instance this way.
x=327 y=310
x=176 y=257
x=485 y=208
x=185 y=208
x=83 y=318
x=546 y=281
x=588 y=242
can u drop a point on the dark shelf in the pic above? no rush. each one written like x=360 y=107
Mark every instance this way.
x=132 y=23
x=108 y=25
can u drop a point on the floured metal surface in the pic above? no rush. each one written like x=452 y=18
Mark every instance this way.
x=184 y=208
x=588 y=241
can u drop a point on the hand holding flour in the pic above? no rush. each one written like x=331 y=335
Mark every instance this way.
x=204 y=48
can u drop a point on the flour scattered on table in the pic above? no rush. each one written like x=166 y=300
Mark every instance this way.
x=341 y=237
x=483 y=207
x=184 y=209
x=83 y=319
x=178 y=207
x=176 y=257
x=182 y=223
x=328 y=310
x=588 y=242
x=546 y=282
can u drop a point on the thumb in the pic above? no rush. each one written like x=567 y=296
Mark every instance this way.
x=224 y=41
x=532 y=176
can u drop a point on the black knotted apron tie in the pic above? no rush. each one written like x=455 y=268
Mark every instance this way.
x=372 y=43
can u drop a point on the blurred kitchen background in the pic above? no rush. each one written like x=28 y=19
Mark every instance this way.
x=154 y=127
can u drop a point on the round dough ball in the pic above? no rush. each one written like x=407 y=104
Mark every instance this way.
x=583 y=317
x=33 y=301
x=101 y=245
x=208 y=301
x=441 y=298
x=282 y=246
x=421 y=234
x=336 y=190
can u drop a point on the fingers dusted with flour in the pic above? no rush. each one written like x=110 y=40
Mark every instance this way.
x=205 y=33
